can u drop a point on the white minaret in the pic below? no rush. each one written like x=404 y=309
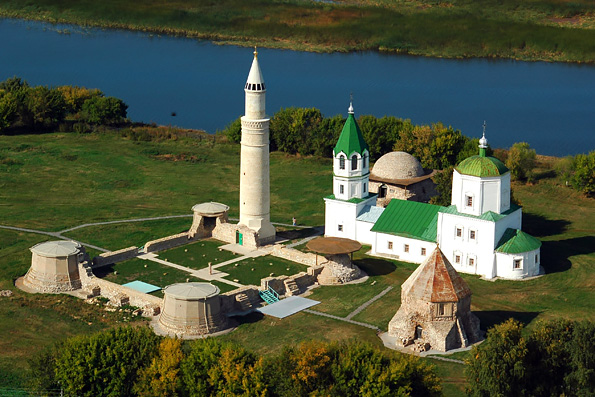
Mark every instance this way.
x=255 y=202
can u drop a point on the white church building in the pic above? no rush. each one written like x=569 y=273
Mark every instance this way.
x=480 y=232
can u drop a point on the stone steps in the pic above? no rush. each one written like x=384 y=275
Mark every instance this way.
x=244 y=301
x=291 y=287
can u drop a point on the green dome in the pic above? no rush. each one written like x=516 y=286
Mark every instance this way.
x=481 y=166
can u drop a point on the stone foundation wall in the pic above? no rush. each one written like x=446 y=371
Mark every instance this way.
x=227 y=232
x=109 y=258
x=303 y=280
x=230 y=301
x=275 y=283
x=168 y=242
x=305 y=258
x=118 y=294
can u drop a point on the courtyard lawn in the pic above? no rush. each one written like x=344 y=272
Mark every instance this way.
x=143 y=270
x=251 y=270
x=198 y=255
x=122 y=235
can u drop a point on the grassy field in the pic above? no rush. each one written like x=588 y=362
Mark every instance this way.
x=114 y=178
x=198 y=255
x=557 y=30
x=250 y=271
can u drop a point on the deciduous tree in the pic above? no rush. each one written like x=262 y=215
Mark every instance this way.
x=521 y=161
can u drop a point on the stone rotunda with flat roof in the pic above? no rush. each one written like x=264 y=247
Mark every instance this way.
x=435 y=308
x=192 y=309
x=54 y=267
x=400 y=175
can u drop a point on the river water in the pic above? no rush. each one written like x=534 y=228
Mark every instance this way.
x=549 y=105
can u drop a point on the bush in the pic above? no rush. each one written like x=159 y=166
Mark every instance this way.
x=103 y=110
x=521 y=161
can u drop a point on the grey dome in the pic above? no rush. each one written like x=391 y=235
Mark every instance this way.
x=397 y=165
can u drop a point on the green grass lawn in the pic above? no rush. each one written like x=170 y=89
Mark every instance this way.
x=121 y=235
x=536 y=30
x=143 y=270
x=121 y=179
x=198 y=255
x=251 y=270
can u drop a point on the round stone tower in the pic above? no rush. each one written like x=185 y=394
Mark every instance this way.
x=255 y=202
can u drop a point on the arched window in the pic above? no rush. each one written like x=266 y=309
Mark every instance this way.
x=354 y=162
x=365 y=163
x=341 y=162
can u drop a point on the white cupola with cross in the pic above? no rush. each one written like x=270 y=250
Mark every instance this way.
x=481 y=183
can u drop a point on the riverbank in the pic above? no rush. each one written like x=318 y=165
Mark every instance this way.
x=541 y=31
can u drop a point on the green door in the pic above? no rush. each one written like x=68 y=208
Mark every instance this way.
x=239 y=238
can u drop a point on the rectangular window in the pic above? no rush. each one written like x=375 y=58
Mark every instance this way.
x=390 y=245
x=423 y=252
x=472 y=234
x=341 y=189
x=441 y=309
x=340 y=228
x=518 y=264
x=536 y=258
x=469 y=201
x=457 y=258
x=471 y=261
x=406 y=248
x=459 y=232
x=364 y=187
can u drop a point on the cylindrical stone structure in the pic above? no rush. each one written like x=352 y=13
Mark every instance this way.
x=54 y=267
x=192 y=309
x=255 y=203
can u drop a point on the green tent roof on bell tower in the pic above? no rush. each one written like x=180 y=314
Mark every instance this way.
x=351 y=138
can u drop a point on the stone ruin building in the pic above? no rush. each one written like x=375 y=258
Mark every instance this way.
x=192 y=309
x=435 y=310
x=338 y=267
x=399 y=175
x=54 y=267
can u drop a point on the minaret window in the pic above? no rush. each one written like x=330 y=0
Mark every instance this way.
x=354 y=162
x=341 y=162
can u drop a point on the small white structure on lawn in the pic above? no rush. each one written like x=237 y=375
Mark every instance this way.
x=192 y=309
x=54 y=267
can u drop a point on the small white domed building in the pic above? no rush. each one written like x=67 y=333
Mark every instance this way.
x=400 y=175
x=54 y=267
x=192 y=309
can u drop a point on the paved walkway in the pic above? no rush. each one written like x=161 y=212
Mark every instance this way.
x=368 y=303
x=342 y=319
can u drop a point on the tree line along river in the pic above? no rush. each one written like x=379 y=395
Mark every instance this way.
x=549 y=105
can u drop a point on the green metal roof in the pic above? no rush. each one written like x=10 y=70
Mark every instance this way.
x=409 y=219
x=351 y=200
x=351 y=139
x=515 y=241
x=486 y=216
x=481 y=166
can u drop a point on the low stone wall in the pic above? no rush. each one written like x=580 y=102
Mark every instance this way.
x=230 y=301
x=305 y=258
x=109 y=258
x=315 y=271
x=118 y=294
x=303 y=280
x=275 y=283
x=227 y=232
x=168 y=242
